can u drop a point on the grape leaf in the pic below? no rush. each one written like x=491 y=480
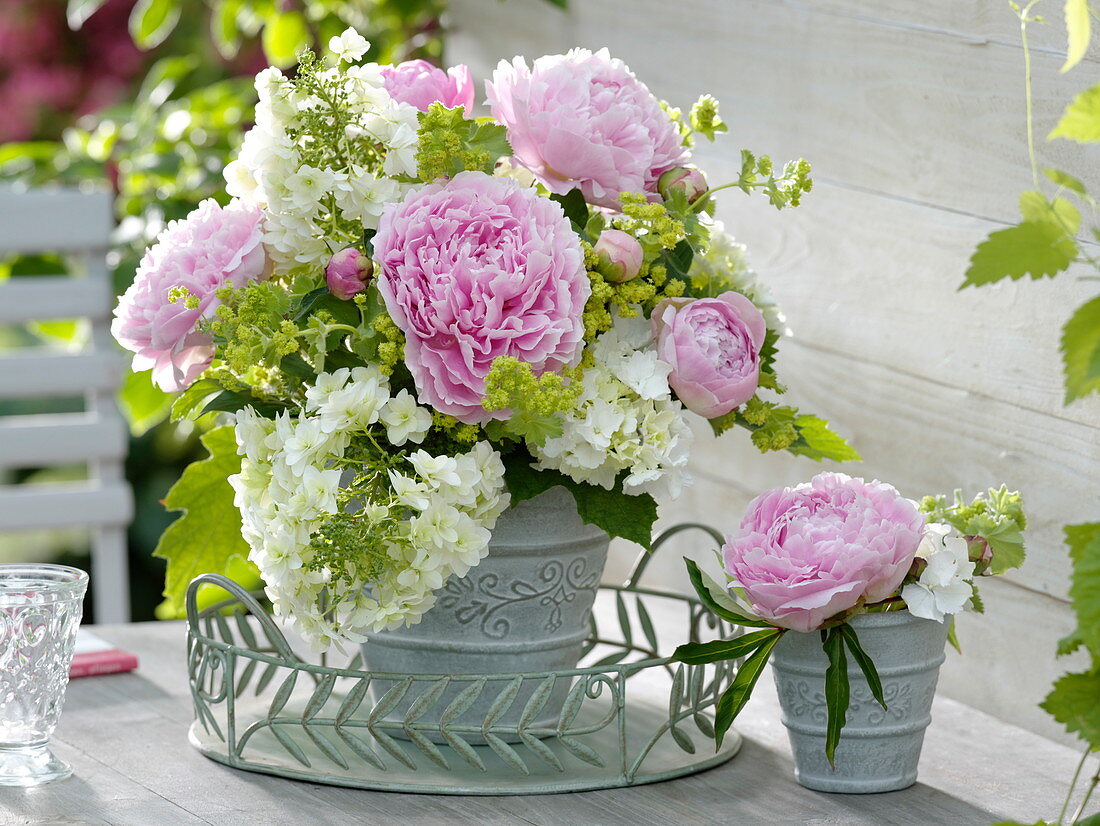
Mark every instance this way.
x=817 y=441
x=620 y=514
x=1084 y=550
x=1078 y=32
x=1075 y=703
x=1038 y=249
x=143 y=403
x=1064 y=179
x=1081 y=351
x=285 y=33
x=207 y=537
x=1081 y=120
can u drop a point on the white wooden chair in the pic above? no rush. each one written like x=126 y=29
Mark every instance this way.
x=77 y=225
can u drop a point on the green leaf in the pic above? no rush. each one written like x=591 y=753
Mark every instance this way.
x=851 y=639
x=189 y=402
x=734 y=698
x=78 y=11
x=818 y=442
x=207 y=537
x=1075 y=703
x=618 y=513
x=1078 y=32
x=151 y=21
x=1035 y=208
x=1069 y=643
x=698 y=653
x=1081 y=351
x=1064 y=179
x=575 y=208
x=836 y=691
x=143 y=403
x=1081 y=120
x=1029 y=248
x=284 y=35
x=224 y=28
x=678 y=260
x=1084 y=589
x=716 y=601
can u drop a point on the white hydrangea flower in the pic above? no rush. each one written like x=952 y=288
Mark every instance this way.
x=349 y=46
x=405 y=420
x=725 y=266
x=946 y=584
x=625 y=420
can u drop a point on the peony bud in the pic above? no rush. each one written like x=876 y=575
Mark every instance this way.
x=980 y=553
x=620 y=255
x=684 y=179
x=347 y=272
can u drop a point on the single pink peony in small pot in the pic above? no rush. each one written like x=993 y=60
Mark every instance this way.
x=584 y=120
x=620 y=254
x=713 y=346
x=212 y=247
x=474 y=268
x=806 y=554
x=347 y=272
x=420 y=84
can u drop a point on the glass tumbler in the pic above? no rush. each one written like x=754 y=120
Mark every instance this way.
x=40 y=609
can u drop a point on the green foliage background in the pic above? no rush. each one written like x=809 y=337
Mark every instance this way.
x=162 y=152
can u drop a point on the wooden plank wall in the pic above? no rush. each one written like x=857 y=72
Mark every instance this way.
x=912 y=115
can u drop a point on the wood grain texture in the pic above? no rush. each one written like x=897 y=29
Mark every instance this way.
x=912 y=114
x=125 y=736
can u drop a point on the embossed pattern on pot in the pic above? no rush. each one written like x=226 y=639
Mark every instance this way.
x=525 y=608
x=879 y=748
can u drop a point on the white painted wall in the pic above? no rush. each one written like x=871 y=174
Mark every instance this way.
x=912 y=115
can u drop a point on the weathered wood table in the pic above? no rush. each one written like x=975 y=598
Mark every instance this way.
x=126 y=738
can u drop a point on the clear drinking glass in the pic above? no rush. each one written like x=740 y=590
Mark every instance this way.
x=40 y=610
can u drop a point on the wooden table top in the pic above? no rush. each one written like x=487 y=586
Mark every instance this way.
x=126 y=738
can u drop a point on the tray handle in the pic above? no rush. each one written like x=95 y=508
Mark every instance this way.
x=271 y=630
x=643 y=558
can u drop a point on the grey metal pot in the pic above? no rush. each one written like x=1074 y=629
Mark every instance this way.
x=878 y=750
x=524 y=609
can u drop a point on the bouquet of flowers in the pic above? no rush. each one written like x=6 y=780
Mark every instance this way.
x=417 y=317
x=811 y=557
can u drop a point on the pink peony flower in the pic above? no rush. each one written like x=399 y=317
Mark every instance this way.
x=620 y=254
x=713 y=346
x=583 y=120
x=805 y=554
x=420 y=84
x=475 y=268
x=347 y=272
x=210 y=248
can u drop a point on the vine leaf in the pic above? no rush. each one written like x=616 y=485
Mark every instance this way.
x=501 y=704
x=580 y=750
x=287 y=742
x=319 y=697
x=357 y=745
x=537 y=701
x=541 y=749
x=647 y=623
x=506 y=752
x=624 y=618
x=352 y=701
x=325 y=745
x=282 y=695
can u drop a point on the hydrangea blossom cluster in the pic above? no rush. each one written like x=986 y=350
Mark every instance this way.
x=411 y=312
x=625 y=420
x=291 y=496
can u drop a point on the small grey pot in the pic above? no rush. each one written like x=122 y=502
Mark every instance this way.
x=524 y=609
x=878 y=750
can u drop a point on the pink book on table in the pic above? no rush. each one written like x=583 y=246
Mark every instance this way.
x=94 y=656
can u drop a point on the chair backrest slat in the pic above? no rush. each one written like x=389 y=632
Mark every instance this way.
x=76 y=225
